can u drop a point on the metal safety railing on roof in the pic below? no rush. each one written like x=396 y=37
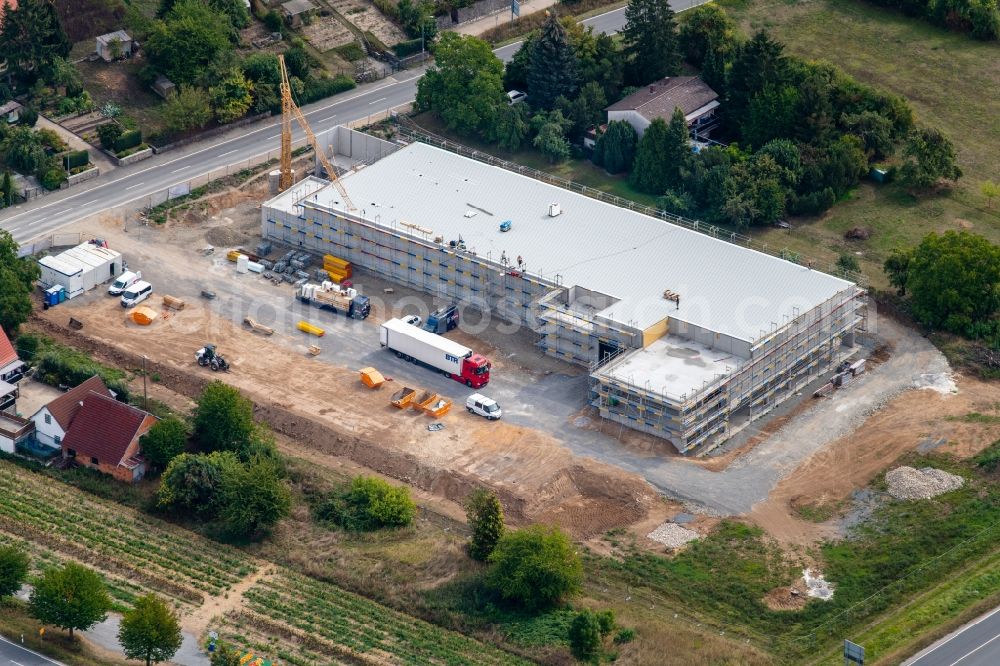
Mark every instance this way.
x=408 y=129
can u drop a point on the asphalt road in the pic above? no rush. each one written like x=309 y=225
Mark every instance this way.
x=975 y=644
x=12 y=654
x=47 y=214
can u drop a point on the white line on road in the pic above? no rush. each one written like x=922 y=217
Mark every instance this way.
x=132 y=187
x=970 y=652
x=229 y=153
x=380 y=99
x=328 y=118
x=40 y=656
x=949 y=638
x=182 y=168
x=90 y=202
x=16 y=663
x=63 y=211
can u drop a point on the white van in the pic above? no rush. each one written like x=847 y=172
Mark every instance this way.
x=477 y=403
x=136 y=294
x=124 y=281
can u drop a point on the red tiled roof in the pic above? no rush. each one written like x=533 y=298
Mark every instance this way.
x=13 y=5
x=7 y=353
x=65 y=407
x=103 y=428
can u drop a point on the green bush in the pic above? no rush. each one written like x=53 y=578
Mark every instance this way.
x=62 y=365
x=626 y=635
x=989 y=458
x=350 y=52
x=273 y=21
x=368 y=503
x=389 y=8
x=76 y=159
x=536 y=566
x=109 y=134
x=585 y=636
x=409 y=47
x=27 y=346
x=53 y=177
x=129 y=139
x=317 y=89
x=28 y=116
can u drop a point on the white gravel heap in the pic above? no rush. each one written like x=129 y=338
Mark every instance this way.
x=907 y=483
x=672 y=535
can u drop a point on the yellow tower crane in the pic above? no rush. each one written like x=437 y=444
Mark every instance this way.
x=289 y=108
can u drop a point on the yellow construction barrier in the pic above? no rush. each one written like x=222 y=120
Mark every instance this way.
x=233 y=255
x=311 y=329
x=372 y=378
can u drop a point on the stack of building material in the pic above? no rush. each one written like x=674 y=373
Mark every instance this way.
x=173 y=303
x=311 y=329
x=338 y=269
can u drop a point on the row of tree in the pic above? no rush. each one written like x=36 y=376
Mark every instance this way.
x=980 y=18
x=75 y=598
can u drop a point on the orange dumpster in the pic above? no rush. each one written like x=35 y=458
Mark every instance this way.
x=372 y=378
x=401 y=398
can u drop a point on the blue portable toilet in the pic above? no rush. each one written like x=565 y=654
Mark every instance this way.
x=505 y=225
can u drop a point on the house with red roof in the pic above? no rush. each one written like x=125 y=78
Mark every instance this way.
x=52 y=421
x=11 y=367
x=104 y=435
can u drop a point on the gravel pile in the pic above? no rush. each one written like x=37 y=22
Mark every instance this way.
x=907 y=483
x=672 y=535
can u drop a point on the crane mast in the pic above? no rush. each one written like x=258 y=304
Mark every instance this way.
x=289 y=109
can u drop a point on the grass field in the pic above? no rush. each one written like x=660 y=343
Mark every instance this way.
x=951 y=82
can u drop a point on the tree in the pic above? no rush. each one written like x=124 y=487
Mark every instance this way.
x=226 y=656
x=585 y=636
x=232 y=97
x=262 y=68
x=650 y=39
x=897 y=269
x=954 y=280
x=188 y=107
x=874 y=130
x=535 y=566
x=930 y=158
x=848 y=263
x=368 y=503
x=515 y=73
x=61 y=72
x=599 y=59
x=587 y=110
x=7 y=193
x=150 y=631
x=17 y=277
x=164 y=442
x=705 y=28
x=193 y=483
x=108 y=133
x=22 y=149
x=223 y=420
x=988 y=188
x=755 y=192
x=615 y=149
x=510 y=129
x=551 y=142
x=189 y=39
x=255 y=497
x=651 y=172
x=552 y=66
x=464 y=86
x=31 y=38
x=757 y=64
x=485 y=518
x=73 y=597
x=13 y=570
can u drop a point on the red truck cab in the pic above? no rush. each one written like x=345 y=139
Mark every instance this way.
x=475 y=371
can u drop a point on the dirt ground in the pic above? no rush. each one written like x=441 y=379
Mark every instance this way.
x=368 y=18
x=326 y=32
x=910 y=420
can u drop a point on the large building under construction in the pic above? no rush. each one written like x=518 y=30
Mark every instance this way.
x=686 y=336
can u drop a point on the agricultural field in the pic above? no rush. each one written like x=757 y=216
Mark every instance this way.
x=946 y=77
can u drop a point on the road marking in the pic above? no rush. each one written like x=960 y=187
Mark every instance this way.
x=229 y=153
x=182 y=168
x=16 y=663
x=63 y=211
x=40 y=656
x=970 y=652
x=272 y=138
x=947 y=639
x=132 y=187
x=380 y=99
x=90 y=202
x=328 y=118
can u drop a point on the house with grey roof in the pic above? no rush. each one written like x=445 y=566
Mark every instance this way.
x=690 y=94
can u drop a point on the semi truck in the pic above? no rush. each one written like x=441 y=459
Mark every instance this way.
x=335 y=298
x=448 y=357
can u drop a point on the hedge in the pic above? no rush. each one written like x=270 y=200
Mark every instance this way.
x=317 y=89
x=408 y=47
x=129 y=139
x=77 y=158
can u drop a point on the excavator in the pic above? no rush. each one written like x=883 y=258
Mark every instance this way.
x=288 y=109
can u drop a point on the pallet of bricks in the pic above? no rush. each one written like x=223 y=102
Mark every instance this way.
x=338 y=269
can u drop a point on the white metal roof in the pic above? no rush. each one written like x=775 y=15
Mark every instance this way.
x=632 y=257
x=444 y=344
x=61 y=265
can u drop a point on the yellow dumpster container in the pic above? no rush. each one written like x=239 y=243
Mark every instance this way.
x=143 y=315
x=311 y=329
x=371 y=378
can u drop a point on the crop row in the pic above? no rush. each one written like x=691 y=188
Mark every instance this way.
x=338 y=616
x=119 y=533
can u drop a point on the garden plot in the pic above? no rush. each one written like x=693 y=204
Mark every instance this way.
x=326 y=33
x=367 y=17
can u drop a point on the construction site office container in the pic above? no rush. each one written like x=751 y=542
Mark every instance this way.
x=57 y=271
x=80 y=268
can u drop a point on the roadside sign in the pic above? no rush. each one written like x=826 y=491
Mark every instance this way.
x=515 y=7
x=853 y=653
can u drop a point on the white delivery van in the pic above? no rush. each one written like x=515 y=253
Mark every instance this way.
x=124 y=281
x=136 y=294
x=477 y=403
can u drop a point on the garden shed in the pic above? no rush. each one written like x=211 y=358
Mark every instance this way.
x=114 y=45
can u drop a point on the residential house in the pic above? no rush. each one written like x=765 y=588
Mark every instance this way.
x=297 y=12
x=52 y=421
x=690 y=94
x=11 y=111
x=114 y=45
x=104 y=435
x=8 y=398
x=11 y=367
x=14 y=431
